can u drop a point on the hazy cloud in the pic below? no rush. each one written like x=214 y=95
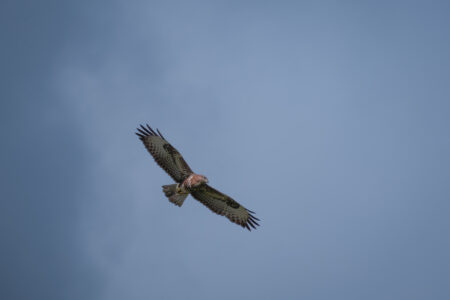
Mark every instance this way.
x=329 y=120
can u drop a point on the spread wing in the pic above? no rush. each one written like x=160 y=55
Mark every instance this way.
x=225 y=206
x=165 y=155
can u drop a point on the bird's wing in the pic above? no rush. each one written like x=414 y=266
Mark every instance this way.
x=225 y=206
x=165 y=155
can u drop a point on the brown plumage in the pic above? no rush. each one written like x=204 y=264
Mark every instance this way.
x=187 y=182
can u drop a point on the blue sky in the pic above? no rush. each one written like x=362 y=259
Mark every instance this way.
x=329 y=119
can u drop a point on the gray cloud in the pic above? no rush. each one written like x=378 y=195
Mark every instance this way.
x=328 y=120
x=43 y=162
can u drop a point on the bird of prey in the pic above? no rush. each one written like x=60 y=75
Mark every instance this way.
x=187 y=182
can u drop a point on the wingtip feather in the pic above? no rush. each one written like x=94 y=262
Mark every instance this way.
x=160 y=134
x=148 y=131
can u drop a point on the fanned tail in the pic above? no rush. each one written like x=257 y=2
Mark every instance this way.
x=173 y=195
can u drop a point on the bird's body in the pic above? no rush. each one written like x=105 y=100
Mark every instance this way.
x=193 y=181
x=188 y=182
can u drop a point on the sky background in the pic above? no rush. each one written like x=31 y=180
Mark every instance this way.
x=329 y=119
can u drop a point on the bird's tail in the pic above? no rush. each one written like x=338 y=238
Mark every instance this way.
x=175 y=195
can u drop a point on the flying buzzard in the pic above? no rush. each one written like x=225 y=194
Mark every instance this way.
x=187 y=182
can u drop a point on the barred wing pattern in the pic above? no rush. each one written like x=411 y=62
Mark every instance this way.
x=225 y=206
x=165 y=155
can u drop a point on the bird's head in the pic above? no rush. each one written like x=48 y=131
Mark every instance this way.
x=203 y=179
